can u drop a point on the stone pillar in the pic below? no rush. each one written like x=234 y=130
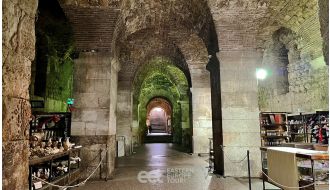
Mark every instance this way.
x=124 y=116
x=18 y=50
x=112 y=117
x=201 y=109
x=94 y=93
x=240 y=113
x=186 y=131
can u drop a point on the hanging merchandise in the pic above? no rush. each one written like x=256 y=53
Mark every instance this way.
x=319 y=126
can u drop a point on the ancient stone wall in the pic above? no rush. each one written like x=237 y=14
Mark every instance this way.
x=95 y=90
x=18 y=40
x=307 y=71
x=324 y=22
x=236 y=24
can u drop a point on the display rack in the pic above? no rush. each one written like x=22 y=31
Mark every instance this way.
x=53 y=125
x=304 y=127
x=273 y=128
x=50 y=164
x=298 y=127
x=52 y=157
x=319 y=127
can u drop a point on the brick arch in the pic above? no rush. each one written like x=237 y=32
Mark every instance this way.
x=160 y=102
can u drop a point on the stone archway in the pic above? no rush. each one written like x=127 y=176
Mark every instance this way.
x=160 y=78
x=159 y=113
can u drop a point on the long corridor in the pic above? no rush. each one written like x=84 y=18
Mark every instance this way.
x=162 y=166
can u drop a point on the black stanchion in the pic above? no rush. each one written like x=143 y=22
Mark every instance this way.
x=248 y=159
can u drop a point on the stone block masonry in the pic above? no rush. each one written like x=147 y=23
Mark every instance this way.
x=96 y=147
x=240 y=111
x=18 y=52
x=95 y=96
x=324 y=22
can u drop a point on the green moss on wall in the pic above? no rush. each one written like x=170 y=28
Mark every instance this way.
x=55 y=49
x=160 y=78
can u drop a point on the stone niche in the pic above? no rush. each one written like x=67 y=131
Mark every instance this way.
x=307 y=76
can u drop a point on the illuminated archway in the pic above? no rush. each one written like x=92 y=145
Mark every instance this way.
x=159 y=114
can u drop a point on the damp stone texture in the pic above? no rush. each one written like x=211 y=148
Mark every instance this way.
x=18 y=50
x=94 y=121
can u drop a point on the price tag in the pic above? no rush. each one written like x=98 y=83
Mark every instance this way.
x=37 y=185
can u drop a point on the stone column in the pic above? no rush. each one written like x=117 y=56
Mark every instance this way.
x=111 y=141
x=240 y=113
x=94 y=93
x=18 y=50
x=124 y=116
x=186 y=133
x=201 y=109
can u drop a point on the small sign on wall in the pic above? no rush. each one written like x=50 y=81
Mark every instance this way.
x=37 y=104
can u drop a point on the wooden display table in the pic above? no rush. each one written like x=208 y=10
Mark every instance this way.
x=295 y=167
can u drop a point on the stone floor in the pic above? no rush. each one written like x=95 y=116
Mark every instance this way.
x=158 y=134
x=162 y=166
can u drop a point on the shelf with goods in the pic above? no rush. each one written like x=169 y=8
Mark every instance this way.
x=309 y=127
x=319 y=127
x=298 y=128
x=301 y=167
x=60 y=168
x=51 y=125
x=53 y=158
x=273 y=128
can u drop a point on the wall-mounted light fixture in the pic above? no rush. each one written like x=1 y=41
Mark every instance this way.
x=261 y=73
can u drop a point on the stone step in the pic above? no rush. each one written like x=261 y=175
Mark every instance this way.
x=158 y=139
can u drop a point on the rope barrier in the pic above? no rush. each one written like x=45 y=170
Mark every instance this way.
x=71 y=186
x=233 y=161
x=276 y=183
x=283 y=186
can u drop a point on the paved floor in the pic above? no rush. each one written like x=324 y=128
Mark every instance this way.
x=158 y=134
x=161 y=166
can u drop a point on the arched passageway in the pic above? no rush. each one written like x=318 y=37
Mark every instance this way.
x=126 y=34
x=159 y=83
x=157 y=121
x=186 y=41
x=159 y=113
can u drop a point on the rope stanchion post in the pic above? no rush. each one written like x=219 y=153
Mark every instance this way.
x=249 y=172
x=107 y=162
x=101 y=163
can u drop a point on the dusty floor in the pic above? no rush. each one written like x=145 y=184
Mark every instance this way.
x=161 y=166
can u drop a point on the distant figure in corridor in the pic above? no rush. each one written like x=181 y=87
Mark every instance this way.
x=148 y=126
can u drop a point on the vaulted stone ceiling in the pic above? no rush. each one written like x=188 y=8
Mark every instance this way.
x=135 y=31
x=171 y=29
x=161 y=66
x=177 y=30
